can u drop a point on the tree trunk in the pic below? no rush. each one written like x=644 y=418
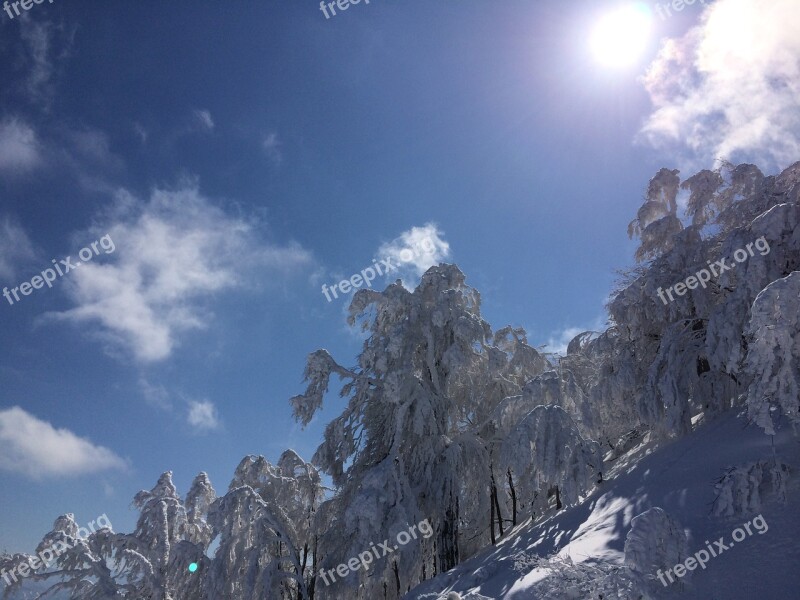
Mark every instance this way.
x=302 y=573
x=497 y=506
x=458 y=513
x=396 y=577
x=312 y=583
x=513 y=499
x=448 y=553
x=491 y=517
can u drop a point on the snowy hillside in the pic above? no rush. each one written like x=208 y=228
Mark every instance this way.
x=679 y=478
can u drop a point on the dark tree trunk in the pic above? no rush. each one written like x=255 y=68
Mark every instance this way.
x=302 y=573
x=513 y=499
x=396 y=577
x=491 y=517
x=448 y=552
x=497 y=506
x=458 y=516
x=312 y=583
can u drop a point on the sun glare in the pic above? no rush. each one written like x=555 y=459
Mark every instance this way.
x=620 y=37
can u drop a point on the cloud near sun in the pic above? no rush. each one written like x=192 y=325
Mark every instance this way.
x=729 y=87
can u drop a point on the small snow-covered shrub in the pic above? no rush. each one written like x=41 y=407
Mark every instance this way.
x=567 y=580
x=742 y=489
x=655 y=541
x=583 y=581
x=525 y=562
x=484 y=573
x=626 y=443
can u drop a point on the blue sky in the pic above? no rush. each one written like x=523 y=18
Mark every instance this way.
x=242 y=155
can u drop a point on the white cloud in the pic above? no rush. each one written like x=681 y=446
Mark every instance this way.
x=730 y=88
x=87 y=153
x=203 y=119
x=19 y=147
x=202 y=415
x=36 y=449
x=559 y=340
x=37 y=39
x=172 y=254
x=272 y=147
x=94 y=147
x=47 y=47
x=414 y=252
x=140 y=132
x=15 y=249
x=155 y=395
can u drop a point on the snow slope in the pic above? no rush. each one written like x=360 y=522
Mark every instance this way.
x=678 y=477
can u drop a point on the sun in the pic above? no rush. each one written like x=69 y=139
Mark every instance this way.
x=620 y=37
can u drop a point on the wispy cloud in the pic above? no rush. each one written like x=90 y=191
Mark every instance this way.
x=93 y=146
x=140 y=132
x=415 y=251
x=730 y=88
x=85 y=152
x=203 y=120
x=173 y=253
x=19 y=147
x=155 y=395
x=36 y=449
x=47 y=46
x=88 y=154
x=16 y=249
x=203 y=415
x=272 y=146
x=559 y=340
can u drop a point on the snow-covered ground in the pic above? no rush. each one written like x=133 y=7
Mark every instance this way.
x=678 y=477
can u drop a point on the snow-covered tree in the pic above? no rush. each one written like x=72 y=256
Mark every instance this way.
x=402 y=429
x=773 y=353
x=692 y=347
x=87 y=567
x=742 y=490
x=406 y=446
x=656 y=222
x=545 y=451
x=266 y=529
x=656 y=541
